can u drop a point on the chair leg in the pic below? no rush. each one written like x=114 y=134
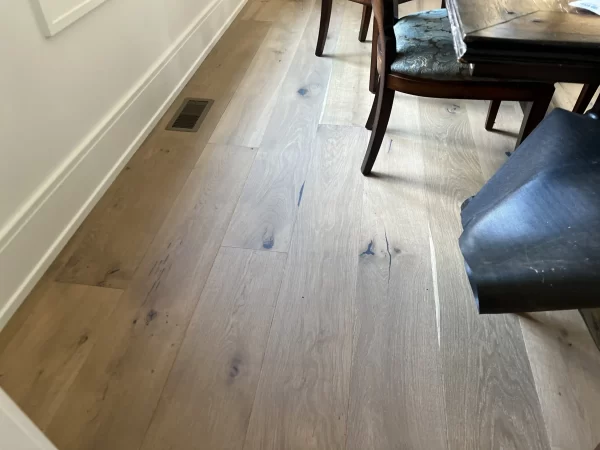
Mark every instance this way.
x=379 y=117
x=374 y=75
x=326 y=6
x=364 y=24
x=585 y=98
x=534 y=114
x=492 y=113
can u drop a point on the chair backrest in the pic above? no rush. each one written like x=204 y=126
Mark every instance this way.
x=531 y=238
x=386 y=40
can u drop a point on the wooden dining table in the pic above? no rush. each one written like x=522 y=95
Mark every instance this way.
x=543 y=40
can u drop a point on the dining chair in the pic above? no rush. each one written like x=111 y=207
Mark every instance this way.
x=326 y=6
x=415 y=55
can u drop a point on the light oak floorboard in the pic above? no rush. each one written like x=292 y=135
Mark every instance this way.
x=302 y=396
x=494 y=148
x=396 y=393
x=42 y=359
x=210 y=391
x=246 y=118
x=265 y=215
x=566 y=95
x=250 y=9
x=489 y=388
x=115 y=237
x=36 y=296
x=566 y=366
x=263 y=10
x=111 y=402
x=348 y=98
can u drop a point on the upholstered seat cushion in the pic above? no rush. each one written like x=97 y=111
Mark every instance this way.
x=425 y=49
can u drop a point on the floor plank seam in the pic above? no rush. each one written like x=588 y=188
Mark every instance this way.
x=262 y=363
x=142 y=442
x=159 y=397
x=533 y=378
x=294 y=48
x=354 y=319
x=199 y=294
x=254 y=249
x=98 y=286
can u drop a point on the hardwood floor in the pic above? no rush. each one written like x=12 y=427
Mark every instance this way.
x=249 y=111
x=491 y=382
x=396 y=401
x=210 y=392
x=116 y=235
x=266 y=213
x=245 y=287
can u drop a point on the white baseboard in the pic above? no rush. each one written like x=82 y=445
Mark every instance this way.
x=31 y=241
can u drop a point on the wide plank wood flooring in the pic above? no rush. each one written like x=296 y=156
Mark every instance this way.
x=244 y=287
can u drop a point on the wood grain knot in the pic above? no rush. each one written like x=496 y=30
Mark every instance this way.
x=151 y=316
x=234 y=368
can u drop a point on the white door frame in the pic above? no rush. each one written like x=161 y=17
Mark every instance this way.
x=17 y=431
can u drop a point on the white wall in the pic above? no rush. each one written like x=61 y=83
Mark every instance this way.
x=74 y=107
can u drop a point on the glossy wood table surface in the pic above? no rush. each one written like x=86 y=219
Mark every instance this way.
x=534 y=39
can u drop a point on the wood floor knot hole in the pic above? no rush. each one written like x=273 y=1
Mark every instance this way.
x=369 y=250
x=234 y=368
x=151 y=316
x=268 y=239
x=453 y=109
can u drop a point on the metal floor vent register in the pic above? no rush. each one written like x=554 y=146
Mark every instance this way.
x=190 y=115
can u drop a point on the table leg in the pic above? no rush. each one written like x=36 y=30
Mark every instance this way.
x=534 y=113
x=492 y=113
x=592 y=320
x=585 y=98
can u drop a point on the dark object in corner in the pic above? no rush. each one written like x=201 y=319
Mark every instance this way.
x=531 y=238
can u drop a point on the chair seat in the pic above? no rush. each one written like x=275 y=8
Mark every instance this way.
x=425 y=48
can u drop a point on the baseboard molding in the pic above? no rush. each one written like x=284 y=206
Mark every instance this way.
x=31 y=241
